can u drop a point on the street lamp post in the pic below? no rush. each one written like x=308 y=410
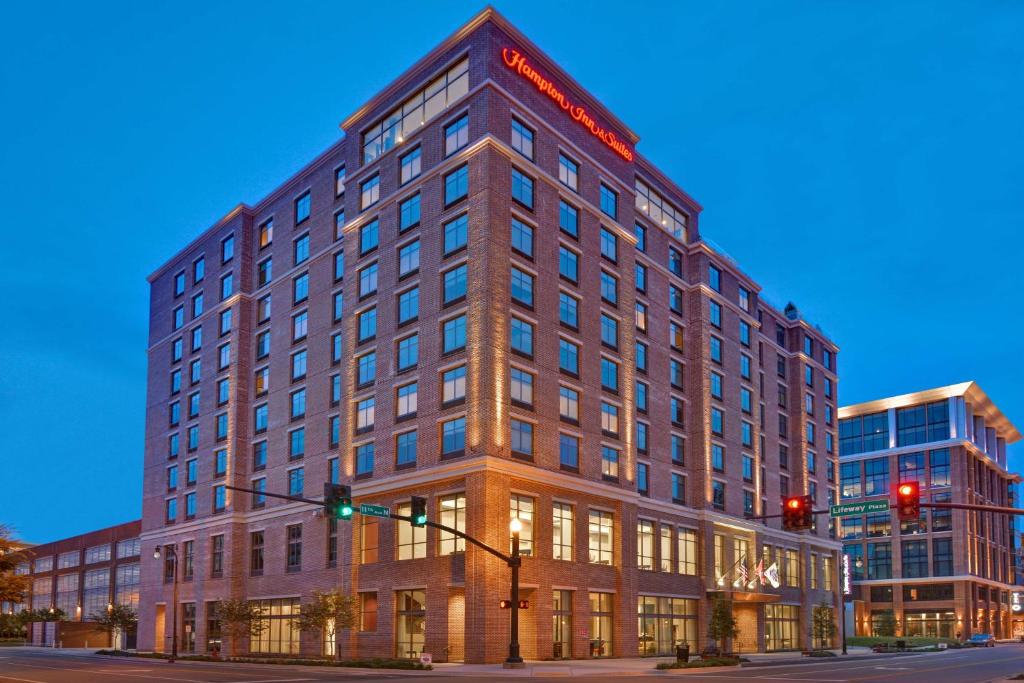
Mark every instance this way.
x=514 y=661
x=172 y=555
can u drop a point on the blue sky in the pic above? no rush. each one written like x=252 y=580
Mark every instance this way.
x=864 y=160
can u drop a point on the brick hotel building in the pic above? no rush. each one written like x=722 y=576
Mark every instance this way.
x=482 y=294
x=950 y=571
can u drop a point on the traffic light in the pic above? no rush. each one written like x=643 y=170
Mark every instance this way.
x=797 y=513
x=908 y=501
x=419 y=511
x=338 y=500
x=524 y=604
x=505 y=604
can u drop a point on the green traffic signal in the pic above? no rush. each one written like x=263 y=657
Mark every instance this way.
x=345 y=511
x=419 y=511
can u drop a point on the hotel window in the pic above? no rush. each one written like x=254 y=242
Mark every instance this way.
x=301 y=249
x=645 y=545
x=197 y=305
x=297 y=443
x=225 y=321
x=223 y=356
x=675 y=299
x=409 y=213
x=339 y=181
x=453 y=334
x=521 y=387
x=609 y=201
x=568 y=172
x=609 y=419
x=686 y=550
x=412 y=540
x=715 y=345
x=406 y=400
x=641 y=317
x=365 y=454
x=809 y=375
x=302 y=208
x=369 y=192
x=641 y=392
x=405 y=449
x=296 y=480
x=367 y=325
x=456 y=135
x=408 y=352
x=336 y=348
x=714 y=278
x=678 y=489
x=745 y=334
x=293 y=535
x=643 y=479
x=659 y=210
x=172 y=446
x=220 y=462
x=828 y=388
x=601 y=633
x=609 y=288
x=365 y=410
x=256 y=553
x=408 y=305
x=522 y=287
x=568 y=357
x=263 y=309
x=600 y=538
x=808 y=346
x=641 y=357
x=411 y=166
x=227 y=286
x=259 y=455
x=640 y=232
x=716 y=313
x=744 y=299
x=193 y=405
x=675 y=335
x=911 y=468
x=522 y=139
x=745 y=364
x=849 y=480
x=454 y=385
x=227 y=249
x=453 y=437
x=453 y=514
x=568 y=452
x=300 y=326
x=522 y=188
x=369 y=236
x=179 y=317
x=609 y=463
x=409 y=258
x=368 y=280
x=191 y=471
x=456 y=185
x=219 y=498
x=298 y=403
x=746 y=400
x=562 y=531
x=876 y=477
x=262 y=381
x=718 y=458
x=221 y=427
x=675 y=374
x=176 y=350
x=454 y=284
x=640 y=277
x=718 y=495
x=748 y=469
x=522 y=238
x=609 y=245
x=678 y=449
x=298 y=366
x=569 y=404
x=521 y=508
x=179 y=283
x=170 y=510
x=810 y=433
x=675 y=262
x=717 y=421
x=197 y=338
x=609 y=375
x=568 y=219
x=339 y=224
x=521 y=337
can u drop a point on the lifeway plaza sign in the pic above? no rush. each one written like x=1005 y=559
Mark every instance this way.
x=514 y=60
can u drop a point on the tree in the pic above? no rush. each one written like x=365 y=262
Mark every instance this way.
x=823 y=626
x=117 y=619
x=722 y=623
x=240 y=618
x=885 y=624
x=13 y=587
x=329 y=613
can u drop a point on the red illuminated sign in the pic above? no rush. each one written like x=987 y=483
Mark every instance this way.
x=517 y=62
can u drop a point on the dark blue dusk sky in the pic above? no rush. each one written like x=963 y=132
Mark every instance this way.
x=864 y=160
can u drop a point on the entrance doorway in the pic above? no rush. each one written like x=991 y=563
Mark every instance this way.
x=158 y=628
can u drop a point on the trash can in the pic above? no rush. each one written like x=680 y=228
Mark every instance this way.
x=558 y=651
x=683 y=652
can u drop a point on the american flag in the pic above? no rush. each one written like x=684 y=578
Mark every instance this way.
x=744 y=573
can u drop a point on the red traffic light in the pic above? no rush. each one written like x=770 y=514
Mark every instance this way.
x=908 y=501
x=505 y=604
x=797 y=513
x=524 y=604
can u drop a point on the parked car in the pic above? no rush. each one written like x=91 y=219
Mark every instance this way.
x=981 y=640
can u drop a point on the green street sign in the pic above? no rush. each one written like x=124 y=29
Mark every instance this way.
x=374 y=510
x=847 y=509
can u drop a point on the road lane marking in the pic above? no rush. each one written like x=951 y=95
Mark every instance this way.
x=12 y=678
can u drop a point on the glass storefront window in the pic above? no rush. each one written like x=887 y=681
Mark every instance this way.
x=562 y=625
x=411 y=622
x=934 y=624
x=280 y=634
x=665 y=623
x=781 y=625
x=601 y=625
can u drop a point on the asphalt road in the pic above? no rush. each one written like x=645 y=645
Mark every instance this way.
x=955 y=666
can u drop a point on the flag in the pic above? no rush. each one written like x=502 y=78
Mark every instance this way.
x=744 y=572
x=759 y=571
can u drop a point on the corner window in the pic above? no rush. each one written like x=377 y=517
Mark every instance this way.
x=522 y=139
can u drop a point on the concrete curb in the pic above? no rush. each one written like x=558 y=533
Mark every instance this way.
x=838 y=658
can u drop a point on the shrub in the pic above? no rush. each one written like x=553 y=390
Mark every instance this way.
x=700 y=663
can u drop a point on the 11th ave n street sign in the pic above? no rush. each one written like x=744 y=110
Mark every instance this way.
x=847 y=509
x=374 y=510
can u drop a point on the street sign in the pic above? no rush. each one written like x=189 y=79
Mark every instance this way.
x=374 y=510
x=847 y=509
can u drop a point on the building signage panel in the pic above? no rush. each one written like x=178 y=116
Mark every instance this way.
x=847 y=588
x=516 y=61
x=847 y=509
x=374 y=510
x=1015 y=603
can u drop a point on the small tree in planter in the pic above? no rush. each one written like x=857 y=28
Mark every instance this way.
x=118 y=619
x=239 y=618
x=823 y=626
x=885 y=624
x=329 y=614
x=722 y=623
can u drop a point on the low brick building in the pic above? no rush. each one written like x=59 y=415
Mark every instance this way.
x=484 y=295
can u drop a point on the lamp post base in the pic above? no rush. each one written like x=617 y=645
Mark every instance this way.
x=508 y=664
